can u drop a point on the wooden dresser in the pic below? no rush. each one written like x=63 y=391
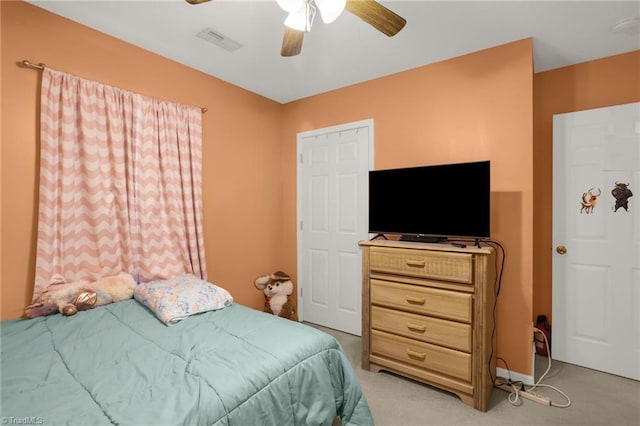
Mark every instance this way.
x=427 y=314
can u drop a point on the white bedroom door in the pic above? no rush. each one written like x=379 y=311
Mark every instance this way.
x=333 y=182
x=596 y=239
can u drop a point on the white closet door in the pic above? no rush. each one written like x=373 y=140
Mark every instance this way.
x=333 y=201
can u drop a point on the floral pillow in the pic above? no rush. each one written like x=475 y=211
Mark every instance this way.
x=175 y=299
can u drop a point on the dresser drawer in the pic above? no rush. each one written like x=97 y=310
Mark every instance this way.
x=442 y=360
x=423 y=300
x=456 y=267
x=451 y=334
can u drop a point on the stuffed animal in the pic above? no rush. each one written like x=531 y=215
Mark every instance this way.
x=69 y=298
x=277 y=288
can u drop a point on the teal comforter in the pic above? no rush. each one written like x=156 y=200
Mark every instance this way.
x=117 y=364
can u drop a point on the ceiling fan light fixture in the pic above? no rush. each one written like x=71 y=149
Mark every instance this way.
x=330 y=9
x=301 y=19
x=302 y=12
x=296 y=21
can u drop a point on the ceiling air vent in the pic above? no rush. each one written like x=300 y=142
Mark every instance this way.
x=219 y=39
x=627 y=26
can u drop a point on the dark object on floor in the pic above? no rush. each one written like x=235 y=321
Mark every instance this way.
x=543 y=325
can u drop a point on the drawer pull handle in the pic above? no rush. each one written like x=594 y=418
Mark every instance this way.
x=416 y=263
x=416 y=300
x=416 y=355
x=416 y=327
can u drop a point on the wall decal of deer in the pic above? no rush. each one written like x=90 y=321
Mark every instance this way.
x=589 y=201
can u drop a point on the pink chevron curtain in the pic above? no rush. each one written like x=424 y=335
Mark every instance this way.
x=120 y=184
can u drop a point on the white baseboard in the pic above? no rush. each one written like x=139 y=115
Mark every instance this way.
x=516 y=377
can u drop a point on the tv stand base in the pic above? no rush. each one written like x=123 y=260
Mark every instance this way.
x=423 y=239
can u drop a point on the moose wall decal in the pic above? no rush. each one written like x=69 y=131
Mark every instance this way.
x=621 y=193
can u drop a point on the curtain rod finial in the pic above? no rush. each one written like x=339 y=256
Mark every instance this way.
x=28 y=64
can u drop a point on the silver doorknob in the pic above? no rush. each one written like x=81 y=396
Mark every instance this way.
x=561 y=249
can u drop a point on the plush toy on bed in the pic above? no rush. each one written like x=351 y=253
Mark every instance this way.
x=277 y=288
x=69 y=298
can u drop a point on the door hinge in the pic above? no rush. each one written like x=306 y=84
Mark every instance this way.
x=301 y=225
x=300 y=158
x=300 y=291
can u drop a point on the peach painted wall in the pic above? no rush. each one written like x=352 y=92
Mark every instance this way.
x=610 y=81
x=241 y=212
x=477 y=106
x=474 y=107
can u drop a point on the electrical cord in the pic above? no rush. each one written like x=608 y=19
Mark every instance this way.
x=539 y=384
x=496 y=286
x=503 y=257
x=511 y=383
x=518 y=387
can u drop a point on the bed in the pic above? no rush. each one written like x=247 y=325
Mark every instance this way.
x=118 y=364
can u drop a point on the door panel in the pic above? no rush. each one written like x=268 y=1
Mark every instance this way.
x=318 y=293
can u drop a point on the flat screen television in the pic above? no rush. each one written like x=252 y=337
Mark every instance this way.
x=431 y=203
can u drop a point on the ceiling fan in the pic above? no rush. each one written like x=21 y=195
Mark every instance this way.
x=302 y=12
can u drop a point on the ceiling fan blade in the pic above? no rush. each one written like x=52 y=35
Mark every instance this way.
x=378 y=16
x=196 y=1
x=291 y=42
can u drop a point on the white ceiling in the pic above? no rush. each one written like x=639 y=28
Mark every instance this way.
x=349 y=51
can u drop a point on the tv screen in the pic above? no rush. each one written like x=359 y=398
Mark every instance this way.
x=450 y=200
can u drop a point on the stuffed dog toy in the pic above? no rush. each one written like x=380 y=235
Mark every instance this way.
x=277 y=288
